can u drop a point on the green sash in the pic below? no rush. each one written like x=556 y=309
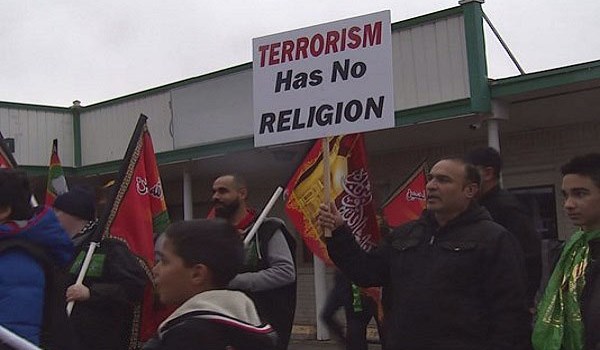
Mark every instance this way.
x=558 y=324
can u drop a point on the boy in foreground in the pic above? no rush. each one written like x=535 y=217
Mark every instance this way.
x=197 y=261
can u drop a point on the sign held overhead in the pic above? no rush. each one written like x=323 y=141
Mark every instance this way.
x=325 y=80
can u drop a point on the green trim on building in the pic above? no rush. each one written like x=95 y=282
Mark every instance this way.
x=203 y=151
x=547 y=79
x=434 y=112
x=477 y=64
x=35 y=170
x=175 y=156
x=415 y=21
x=98 y=169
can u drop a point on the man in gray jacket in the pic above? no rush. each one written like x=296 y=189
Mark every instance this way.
x=269 y=276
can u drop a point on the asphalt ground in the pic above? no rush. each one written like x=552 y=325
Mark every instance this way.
x=322 y=345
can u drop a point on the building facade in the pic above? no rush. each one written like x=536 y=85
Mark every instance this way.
x=445 y=105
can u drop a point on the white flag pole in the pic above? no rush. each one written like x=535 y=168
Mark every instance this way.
x=14 y=341
x=33 y=201
x=83 y=271
x=263 y=215
x=326 y=179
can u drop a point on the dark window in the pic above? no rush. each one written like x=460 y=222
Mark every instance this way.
x=541 y=203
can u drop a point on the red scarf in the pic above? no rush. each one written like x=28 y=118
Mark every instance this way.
x=247 y=219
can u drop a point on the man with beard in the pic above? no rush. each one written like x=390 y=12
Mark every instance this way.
x=269 y=273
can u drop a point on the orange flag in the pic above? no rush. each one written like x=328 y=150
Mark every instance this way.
x=350 y=187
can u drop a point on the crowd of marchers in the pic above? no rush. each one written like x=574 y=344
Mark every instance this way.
x=465 y=275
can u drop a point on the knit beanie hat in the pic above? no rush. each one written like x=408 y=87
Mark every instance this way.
x=79 y=202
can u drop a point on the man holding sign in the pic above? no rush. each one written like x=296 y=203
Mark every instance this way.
x=451 y=279
x=269 y=276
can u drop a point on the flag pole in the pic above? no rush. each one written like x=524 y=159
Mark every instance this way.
x=82 y=272
x=14 y=341
x=320 y=270
x=326 y=178
x=263 y=215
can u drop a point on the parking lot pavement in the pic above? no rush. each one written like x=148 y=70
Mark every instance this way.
x=322 y=345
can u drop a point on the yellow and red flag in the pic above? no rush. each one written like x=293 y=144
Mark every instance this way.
x=350 y=189
x=134 y=213
x=57 y=184
x=408 y=201
x=6 y=158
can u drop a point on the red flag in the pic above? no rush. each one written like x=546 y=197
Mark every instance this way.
x=6 y=158
x=57 y=184
x=408 y=201
x=350 y=189
x=135 y=212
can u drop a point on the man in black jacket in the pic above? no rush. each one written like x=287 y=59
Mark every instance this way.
x=114 y=282
x=451 y=279
x=506 y=210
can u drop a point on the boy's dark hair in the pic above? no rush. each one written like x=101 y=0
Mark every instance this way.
x=586 y=165
x=214 y=243
x=15 y=194
x=487 y=157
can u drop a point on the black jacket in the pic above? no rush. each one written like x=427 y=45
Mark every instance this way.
x=116 y=281
x=455 y=287
x=590 y=301
x=506 y=210
x=214 y=320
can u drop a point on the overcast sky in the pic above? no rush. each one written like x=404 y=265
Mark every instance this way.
x=54 y=52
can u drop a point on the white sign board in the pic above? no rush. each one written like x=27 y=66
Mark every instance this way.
x=325 y=80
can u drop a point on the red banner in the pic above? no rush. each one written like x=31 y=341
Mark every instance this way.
x=137 y=212
x=350 y=189
x=408 y=201
x=57 y=184
x=6 y=158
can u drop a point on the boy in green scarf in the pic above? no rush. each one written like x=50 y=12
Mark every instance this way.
x=568 y=315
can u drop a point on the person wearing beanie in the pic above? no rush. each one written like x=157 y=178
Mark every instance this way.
x=506 y=210
x=76 y=212
x=114 y=282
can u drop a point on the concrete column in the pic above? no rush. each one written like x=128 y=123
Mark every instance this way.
x=320 y=296
x=499 y=112
x=188 y=203
x=493 y=134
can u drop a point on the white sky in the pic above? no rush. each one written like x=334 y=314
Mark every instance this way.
x=54 y=52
